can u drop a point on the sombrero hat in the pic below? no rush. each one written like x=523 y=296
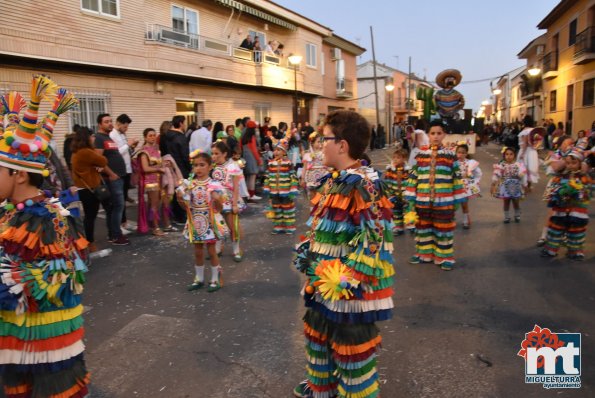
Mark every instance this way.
x=440 y=77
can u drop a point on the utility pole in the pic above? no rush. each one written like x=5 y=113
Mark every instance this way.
x=408 y=90
x=375 y=82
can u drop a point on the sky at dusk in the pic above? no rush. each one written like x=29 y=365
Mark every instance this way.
x=481 y=39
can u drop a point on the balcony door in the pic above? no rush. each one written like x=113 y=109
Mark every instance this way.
x=184 y=20
x=569 y=108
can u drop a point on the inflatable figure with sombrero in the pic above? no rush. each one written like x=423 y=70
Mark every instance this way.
x=448 y=100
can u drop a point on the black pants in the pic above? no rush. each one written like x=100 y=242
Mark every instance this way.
x=126 y=197
x=91 y=207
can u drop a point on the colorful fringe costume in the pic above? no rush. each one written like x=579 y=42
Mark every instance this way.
x=203 y=224
x=395 y=179
x=569 y=200
x=282 y=186
x=348 y=259
x=42 y=264
x=433 y=189
x=41 y=324
x=471 y=175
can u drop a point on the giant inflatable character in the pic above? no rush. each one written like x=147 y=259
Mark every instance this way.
x=448 y=100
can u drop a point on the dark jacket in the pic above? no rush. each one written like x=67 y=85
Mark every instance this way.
x=176 y=145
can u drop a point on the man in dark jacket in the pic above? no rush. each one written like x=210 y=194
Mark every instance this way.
x=176 y=145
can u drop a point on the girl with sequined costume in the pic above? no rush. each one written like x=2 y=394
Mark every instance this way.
x=433 y=190
x=43 y=255
x=229 y=174
x=314 y=168
x=347 y=257
x=569 y=201
x=202 y=198
x=281 y=184
x=395 y=179
x=471 y=175
x=509 y=183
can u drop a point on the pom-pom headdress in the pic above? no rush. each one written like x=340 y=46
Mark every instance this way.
x=576 y=153
x=24 y=144
x=283 y=144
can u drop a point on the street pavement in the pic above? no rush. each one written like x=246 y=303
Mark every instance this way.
x=454 y=334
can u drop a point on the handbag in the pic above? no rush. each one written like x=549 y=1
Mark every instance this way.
x=101 y=192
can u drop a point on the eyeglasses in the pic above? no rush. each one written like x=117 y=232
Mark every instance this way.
x=325 y=139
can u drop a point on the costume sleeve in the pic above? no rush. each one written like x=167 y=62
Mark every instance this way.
x=411 y=185
x=497 y=174
x=294 y=183
x=266 y=187
x=458 y=187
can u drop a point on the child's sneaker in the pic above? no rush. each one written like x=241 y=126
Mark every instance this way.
x=517 y=219
x=447 y=266
x=547 y=253
x=415 y=260
x=507 y=220
x=577 y=256
x=197 y=284
x=302 y=390
x=213 y=287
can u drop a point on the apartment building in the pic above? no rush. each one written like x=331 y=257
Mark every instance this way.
x=568 y=64
x=153 y=59
x=395 y=105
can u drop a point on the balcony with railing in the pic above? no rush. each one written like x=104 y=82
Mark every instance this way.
x=584 y=48
x=169 y=36
x=344 y=88
x=550 y=65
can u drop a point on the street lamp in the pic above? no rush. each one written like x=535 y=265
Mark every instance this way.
x=295 y=60
x=533 y=72
x=496 y=91
x=389 y=126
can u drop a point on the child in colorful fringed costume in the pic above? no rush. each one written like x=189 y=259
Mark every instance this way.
x=42 y=260
x=433 y=190
x=228 y=173
x=282 y=186
x=314 y=168
x=395 y=179
x=347 y=256
x=203 y=199
x=569 y=201
x=509 y=183
x=471 y=175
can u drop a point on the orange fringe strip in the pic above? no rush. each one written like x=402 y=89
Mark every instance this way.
x=50 y=344
x=357 y=349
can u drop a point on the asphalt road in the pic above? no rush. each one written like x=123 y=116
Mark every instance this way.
x=454 y=334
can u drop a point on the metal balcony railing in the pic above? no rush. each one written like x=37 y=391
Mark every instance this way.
x=344 y=87
x=164 y=34
x=585 y=42
x=550 y=62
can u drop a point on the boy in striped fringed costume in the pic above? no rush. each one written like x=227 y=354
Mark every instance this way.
x=395 y=178
x=282 y=186
x=569 y=201
x=42 y=259
x=347 y=256
x=433 y=189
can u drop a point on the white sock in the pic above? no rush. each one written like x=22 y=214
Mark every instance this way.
x=506 y=213
x=465 y=218
x=236 y=247
x=214 y=273
x=517 y=212
x=543 y=233
x=200 y=272
x=218 y=246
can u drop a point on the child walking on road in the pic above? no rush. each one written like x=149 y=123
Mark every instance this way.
x=471 y=175
x=395 y=178
x=509 y=183
x=203 y=200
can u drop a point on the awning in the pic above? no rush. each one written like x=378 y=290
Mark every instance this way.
x=257 y=13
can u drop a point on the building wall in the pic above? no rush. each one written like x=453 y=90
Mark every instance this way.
x=147 y=108
x=568 y=73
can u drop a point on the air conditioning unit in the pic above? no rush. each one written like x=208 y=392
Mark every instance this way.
x=335 y=53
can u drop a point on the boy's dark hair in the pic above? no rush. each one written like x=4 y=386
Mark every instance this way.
x=402 y=151
x=101 y=116
x=35 y=179
x=528 y=121
x=177 y=121
x=205 y=156
x=351 y=127
x=123 y=119
x=437 y=123
x=221 y=147
x=238 y=122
